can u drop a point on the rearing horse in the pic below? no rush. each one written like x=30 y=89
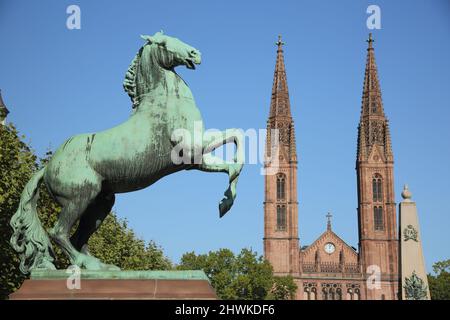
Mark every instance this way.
x=87 y=171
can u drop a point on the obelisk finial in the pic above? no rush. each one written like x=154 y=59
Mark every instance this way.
x=406 y=194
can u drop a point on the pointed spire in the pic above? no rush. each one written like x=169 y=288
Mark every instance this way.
x=373 y=128
x=370 y=41
x=372 y=103
x=280 y=107
x=3 y=110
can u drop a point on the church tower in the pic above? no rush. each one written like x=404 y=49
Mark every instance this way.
x=378 y=241
x=281 y=243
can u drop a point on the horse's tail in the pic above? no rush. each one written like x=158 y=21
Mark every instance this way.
x=29 y=238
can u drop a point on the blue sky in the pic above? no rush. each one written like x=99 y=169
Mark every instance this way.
x=59 y=82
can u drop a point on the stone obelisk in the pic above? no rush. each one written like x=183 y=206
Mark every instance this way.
x=413 y=272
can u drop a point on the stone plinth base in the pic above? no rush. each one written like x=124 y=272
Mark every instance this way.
x=45 y=285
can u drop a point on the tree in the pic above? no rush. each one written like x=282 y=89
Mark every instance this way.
x=243 y=276
x=17 y=163
x=114 y=242
x=441 y=266
x=284 y=288
x=440 y=283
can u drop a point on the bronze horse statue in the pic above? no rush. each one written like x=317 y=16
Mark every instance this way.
x=87 y=171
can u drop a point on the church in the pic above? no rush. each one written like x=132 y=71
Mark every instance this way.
x=329 y=268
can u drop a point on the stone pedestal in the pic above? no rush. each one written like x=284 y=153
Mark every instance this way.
x=412 y=264
x=110 y=285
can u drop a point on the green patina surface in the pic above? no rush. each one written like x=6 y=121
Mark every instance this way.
x=88 y=170
x=122 y=275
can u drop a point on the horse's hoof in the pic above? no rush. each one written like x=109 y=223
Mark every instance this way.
x=93 y=263
x=111 y=267
x=45 y=265
x=224 y=206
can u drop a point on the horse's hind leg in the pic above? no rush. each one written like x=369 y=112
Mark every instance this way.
x=72 y=211
x=91 y=221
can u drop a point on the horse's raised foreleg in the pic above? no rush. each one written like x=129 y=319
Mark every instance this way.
x=211 y=163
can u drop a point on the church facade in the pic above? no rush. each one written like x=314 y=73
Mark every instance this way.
x=330 y=269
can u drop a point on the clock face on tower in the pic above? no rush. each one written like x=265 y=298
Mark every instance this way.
x=329 y=248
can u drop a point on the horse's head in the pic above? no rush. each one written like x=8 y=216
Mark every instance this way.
x=158 y=56
x=170 y=52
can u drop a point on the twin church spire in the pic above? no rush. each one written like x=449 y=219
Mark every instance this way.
x=281 y=242
x=280 y=104
x=280 y=116
x=377 y=225
x=373 y=128
x=378 y=240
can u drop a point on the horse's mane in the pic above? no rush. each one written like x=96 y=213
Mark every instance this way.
x=129 y=83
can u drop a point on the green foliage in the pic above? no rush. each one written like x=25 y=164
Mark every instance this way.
x=440 y=283
x=284 y=288
x=113 y=243
x=17 y=163
x=441 y=266
x=243 y=276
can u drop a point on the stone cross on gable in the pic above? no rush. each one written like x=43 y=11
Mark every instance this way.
x=329 y=216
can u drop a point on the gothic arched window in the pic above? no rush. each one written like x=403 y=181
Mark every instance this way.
x=356 y=295
x=306 y=295
x=353 y=292
x=377 y=188
x=331 y=294
x=378 y=218
x=309 y=291
x=349 y=294
x=374 y=107
x=281 y=187
x=313 y=294
x=338 y=294
x=281 y=217
x=325 y=294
